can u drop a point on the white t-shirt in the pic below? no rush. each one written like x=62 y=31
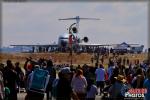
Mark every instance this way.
x=100 y=74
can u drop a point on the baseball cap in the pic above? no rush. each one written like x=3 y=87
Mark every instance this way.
x=65 y=70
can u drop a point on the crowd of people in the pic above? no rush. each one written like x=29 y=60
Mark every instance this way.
x=65 y=82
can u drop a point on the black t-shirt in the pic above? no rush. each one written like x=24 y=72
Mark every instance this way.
x=64 y=90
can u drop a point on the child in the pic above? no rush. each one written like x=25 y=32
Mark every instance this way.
x=91 y=90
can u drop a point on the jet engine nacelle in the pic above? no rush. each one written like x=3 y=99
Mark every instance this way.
x=85 y=39
x=74 y=30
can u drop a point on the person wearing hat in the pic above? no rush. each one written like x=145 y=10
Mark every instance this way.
x=64 y=90
x=115 y=89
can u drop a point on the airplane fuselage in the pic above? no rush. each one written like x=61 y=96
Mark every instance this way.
x=63 y=40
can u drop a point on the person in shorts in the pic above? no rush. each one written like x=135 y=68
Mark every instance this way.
x=100 y=77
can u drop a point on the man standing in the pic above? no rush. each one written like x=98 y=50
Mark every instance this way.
x=63 y=89
x=10 y=80
x=147 y=85
x=52 y=72
x=100 y=77
x=2 y=93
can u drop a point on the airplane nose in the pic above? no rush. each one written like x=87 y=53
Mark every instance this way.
x=63 y=43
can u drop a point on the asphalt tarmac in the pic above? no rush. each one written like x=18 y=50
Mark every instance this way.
x=22 y=95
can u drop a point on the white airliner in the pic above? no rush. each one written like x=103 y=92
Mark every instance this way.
x=71 y=38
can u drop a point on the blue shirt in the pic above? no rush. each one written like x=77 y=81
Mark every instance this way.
x=147 y=85
x=100 y=74
x=92 y=92
x=110 y=71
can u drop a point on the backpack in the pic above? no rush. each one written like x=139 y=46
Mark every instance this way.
x=39 y=80
x=7 y=92
x=54 y=88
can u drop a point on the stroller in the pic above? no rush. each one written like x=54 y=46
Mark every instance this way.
x=105 y=92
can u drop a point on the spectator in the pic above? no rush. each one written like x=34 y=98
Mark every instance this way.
x=52 y=73
x=138 y=80
x=10 y=80
x=79 y=84
x=20 y=75
x=64 y=90
x=111 y=67
x=114 y=74
x=128 y=75
x=33 y=93
x=2 y=93
x=100 y=77
x=91 y=90
x=115 y=89
x=147 y=85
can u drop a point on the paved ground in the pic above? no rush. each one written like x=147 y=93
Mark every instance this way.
x=21 y=96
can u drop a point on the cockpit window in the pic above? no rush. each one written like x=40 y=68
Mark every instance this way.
x=63 y=38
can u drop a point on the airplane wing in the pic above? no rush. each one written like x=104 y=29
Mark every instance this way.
x=92 y=45
x=37 y=45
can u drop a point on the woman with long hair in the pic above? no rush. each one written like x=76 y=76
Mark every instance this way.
x=79 y=84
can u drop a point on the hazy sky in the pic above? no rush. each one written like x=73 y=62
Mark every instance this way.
x=37 y=22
